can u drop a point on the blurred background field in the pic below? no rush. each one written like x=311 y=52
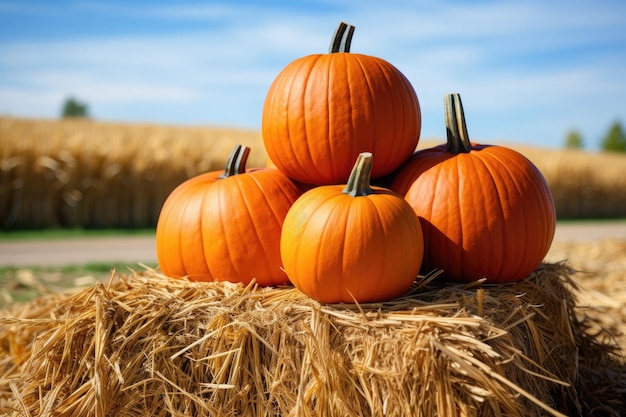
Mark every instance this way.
x=81 y=173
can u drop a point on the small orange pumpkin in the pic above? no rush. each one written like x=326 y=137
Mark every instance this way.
x=322 y=110
x=486 y=211
x=225 y=226
x=353 y=243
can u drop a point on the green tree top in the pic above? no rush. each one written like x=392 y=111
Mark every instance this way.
x=573 y=140
x=615 y=139
x=74 y=108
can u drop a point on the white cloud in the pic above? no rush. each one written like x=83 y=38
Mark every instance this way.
x=513 y=59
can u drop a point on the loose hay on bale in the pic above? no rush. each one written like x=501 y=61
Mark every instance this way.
x=147 y=345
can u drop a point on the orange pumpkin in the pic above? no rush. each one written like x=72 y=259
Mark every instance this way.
x=225 y=226
x=353 y=243
x=486 y=211
x=322 y=110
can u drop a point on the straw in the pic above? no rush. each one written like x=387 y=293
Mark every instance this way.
x=144 y=344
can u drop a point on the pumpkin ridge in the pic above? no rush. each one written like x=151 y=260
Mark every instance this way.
x=407 y=225
x=416 y=110
x=269 y=130
x=381 y=225
x=187 y=248
x=507 y=159
x=329 y=116
x=364 y=209
x=393 y=77
x=283 y=88
x=435 y=211
x=347 y=220
x=330 y=228
x=164 y=227
x=264 y=190
x=276 y=187
x=227 y=231
x=515 y=180
x=321 y=122
x=542 y=207
x=494 y=177
x=304 y=140
x=201 y=227
x=367 y=145
x=346 y=295
x=461 y=219
x=430 y=245
x=184 y=204
x=393 y=98
x=213 y=212
x=251 y=209
x=379 y=137
x=316 y=201
x=173 y=246
x=286 y=187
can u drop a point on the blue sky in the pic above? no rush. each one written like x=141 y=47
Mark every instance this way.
x=527 y=71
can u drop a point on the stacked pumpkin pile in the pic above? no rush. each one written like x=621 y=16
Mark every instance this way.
x=334 y=124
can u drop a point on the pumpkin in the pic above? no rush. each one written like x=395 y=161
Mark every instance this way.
x=486 y=211
x=303 y=187
x=357 y=243
x=225 y=226
x=322 y=110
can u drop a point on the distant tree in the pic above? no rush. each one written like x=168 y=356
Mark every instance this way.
x=615 y=139
x=573 y=140
x=74 y=108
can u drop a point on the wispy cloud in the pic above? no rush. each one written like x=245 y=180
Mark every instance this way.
x=528 y=70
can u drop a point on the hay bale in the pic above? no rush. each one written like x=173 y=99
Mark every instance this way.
x=144 y=344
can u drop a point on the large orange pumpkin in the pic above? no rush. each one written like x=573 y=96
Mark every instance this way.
x=225 y=225
x=322 y=110
x=486 y=211
x=354 y=243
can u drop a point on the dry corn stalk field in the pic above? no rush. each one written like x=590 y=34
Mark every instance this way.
x=82 y=173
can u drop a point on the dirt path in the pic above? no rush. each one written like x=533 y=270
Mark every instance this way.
x=141 y=249
x=70 y=251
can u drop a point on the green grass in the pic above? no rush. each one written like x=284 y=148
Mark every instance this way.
x=70 y=233
x=21 y=284
x=591 y=221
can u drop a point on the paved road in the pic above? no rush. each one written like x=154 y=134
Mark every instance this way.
x=132 y=250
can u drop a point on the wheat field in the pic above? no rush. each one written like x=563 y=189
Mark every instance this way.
x=83 y=173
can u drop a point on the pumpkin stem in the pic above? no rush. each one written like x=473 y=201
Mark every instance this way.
x=236 y=162
x=342 y=38
x=359 y=181
x=456 y=129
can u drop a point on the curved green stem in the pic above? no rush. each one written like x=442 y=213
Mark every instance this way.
x=456 y=129
x=359 y=180
x=236 y=162
x=342 y=38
